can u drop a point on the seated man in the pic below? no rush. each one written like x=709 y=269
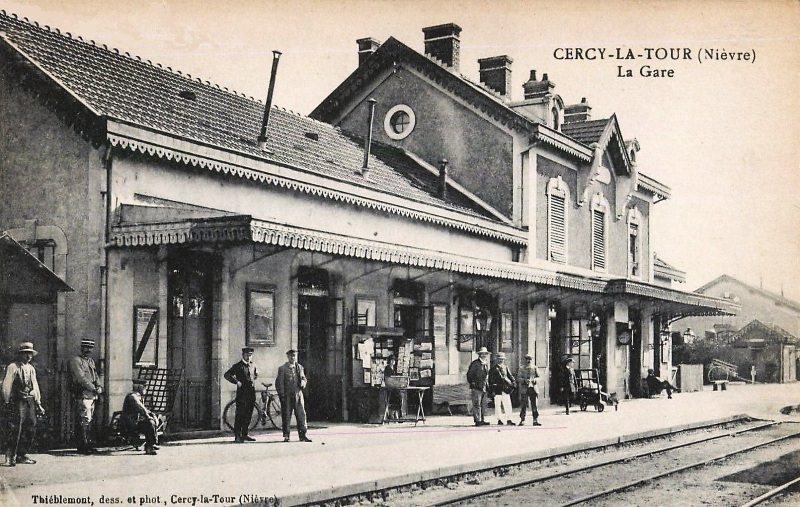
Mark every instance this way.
x=137 y=418
x=655 y=385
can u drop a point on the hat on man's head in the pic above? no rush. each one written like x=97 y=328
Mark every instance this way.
x=139 y=382
x=248 y=350
x=501 y=355
x=650 y=370
x=26 y=347
x=569 y=360
x=87 y=343
x=291 y=351
x=529 y=357
x=483 y=350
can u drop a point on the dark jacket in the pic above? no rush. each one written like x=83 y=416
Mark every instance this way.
x=239 y=373
x=477 y=375
x=284 y=384
x=501 y=380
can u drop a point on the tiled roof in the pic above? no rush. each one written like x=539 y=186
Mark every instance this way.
x=121 y=87
x=586 y=132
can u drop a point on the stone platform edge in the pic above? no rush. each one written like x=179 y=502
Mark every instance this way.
x=361 y=488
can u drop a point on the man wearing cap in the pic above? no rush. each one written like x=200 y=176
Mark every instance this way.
x=290 y=384
x=569 y=383
x=23 y=401
x=501 y=383
x=136 y=417
x=243 y=374
x=85 y=389
x=528 y=382
x=477 y=377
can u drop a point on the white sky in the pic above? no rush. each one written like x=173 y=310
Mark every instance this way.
x=723 y=135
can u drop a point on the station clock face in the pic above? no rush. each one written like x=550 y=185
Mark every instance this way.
x=624 y=338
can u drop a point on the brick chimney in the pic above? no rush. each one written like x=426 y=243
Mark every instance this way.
x=366 y=47
x=536 y=89
x=443 y=44
x=578 y=112
x=495 y=73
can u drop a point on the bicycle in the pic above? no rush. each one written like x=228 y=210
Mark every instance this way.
x=268 y=409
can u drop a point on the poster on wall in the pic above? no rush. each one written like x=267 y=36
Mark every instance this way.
x=440 y=326
x=145 y=336
x=506 y=332
x=466 y=330
x=260 y=316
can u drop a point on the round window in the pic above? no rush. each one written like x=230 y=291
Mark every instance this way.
x=399 y=122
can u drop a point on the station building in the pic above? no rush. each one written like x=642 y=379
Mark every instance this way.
x=415 y=213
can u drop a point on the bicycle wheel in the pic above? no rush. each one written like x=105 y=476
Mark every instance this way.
x=229 y=416
x=273 y=412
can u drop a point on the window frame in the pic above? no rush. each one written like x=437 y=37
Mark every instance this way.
x=599 y=205
x=557 y=188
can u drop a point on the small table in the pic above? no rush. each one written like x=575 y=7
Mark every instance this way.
x=420 y=410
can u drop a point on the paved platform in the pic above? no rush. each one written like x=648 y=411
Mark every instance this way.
x=351 y=458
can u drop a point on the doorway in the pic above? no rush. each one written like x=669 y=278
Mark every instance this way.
x=190 y=287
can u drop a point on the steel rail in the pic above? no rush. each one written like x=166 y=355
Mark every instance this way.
x=675 y=471
x=593 y=466
x=771 y=493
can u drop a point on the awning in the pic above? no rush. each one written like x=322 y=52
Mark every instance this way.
x=23 y=277
x=673 y=303
x=170 y=229
x=142 y=227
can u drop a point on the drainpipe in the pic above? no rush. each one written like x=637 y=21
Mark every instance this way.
x=104 y=303
x=368 y=141
x=443 y=178
x=262 y=137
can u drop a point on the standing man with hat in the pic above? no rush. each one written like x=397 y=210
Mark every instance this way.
x=528 y=377
x=136 y=417
x=478 y=379
x=569 y=383
x=243 y=374
x=501 y=383
x=290 y=384
x=85 y=390
x=23 y=401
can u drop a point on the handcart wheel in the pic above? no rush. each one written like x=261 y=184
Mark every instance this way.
x=600 y=408
x=583 y=407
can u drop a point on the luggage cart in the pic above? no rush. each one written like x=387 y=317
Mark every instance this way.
x=589 y=392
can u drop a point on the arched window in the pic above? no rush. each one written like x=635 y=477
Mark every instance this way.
x=556 y=124
x=557 y=199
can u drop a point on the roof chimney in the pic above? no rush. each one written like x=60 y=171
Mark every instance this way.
x=443 y=44
x=366 y=47
x=443 y=178
x=262 y=137
x=495 y=73
x=536 y=89
x=368 y=138
x=578 y=112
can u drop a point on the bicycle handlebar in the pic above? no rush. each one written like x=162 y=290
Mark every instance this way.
x=266 y=385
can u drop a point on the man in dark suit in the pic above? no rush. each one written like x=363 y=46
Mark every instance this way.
x=477 y=377
x=243 y=374
x=290 y=384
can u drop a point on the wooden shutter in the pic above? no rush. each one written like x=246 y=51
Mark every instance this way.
x=558 y=229
x=598 y=239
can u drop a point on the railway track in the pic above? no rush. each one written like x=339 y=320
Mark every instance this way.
x=626 y=471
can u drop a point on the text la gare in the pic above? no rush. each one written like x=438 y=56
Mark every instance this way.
x=645 y=71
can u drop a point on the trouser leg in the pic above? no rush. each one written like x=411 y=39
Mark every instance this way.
x=523 y=406
x=300 y=414
x=149 y=430
x=666 y=385
x=477 y=414
x=534 y=400
x=27 y=429
x=287 y=407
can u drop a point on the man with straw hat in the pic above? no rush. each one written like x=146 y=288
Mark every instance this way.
x=23 y=401
x=85 y=389
x=477 y=377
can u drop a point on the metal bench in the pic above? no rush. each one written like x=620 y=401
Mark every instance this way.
x=447 y=396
